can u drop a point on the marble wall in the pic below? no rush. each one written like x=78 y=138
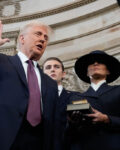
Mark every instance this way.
x=80 y=26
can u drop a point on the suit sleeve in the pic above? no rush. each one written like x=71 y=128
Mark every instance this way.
x=114 y=122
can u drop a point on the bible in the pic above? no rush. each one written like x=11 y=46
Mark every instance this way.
x=80 y=105
x=77 y=111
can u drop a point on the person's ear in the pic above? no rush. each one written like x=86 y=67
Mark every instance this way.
x=21 y=39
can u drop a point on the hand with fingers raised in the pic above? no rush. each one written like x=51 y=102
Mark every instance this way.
x=2 y=41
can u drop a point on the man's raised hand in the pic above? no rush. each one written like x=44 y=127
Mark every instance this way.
x=2 y=41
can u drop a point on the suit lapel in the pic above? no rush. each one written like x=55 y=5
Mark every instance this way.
x=104 y=88
x=63 y=97
x=43 y=84
x=90 y=93
x=19 y=68
x=62 y=93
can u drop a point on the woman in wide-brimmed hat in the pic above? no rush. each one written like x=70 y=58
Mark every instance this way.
x=112 y=64
x=103 y=133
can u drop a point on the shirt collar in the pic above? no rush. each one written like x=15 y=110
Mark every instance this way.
x=24 y=58
x=60 y=87
x=96 y=86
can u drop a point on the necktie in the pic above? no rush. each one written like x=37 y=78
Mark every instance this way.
x=34 y=104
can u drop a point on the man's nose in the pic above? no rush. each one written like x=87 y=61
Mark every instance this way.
x=52 y=69
x=42 y=41
x=42 y=38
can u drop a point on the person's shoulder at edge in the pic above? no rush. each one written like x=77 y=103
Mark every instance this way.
x=112 y=86
x=115 y=86
x=3 y=56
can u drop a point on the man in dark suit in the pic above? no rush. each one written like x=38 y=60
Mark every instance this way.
x=54 y=68
x=26 y=124
x=98 y=69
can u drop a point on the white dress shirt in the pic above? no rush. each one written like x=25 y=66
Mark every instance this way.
x=24 y=59
x=96 y=86
x=60 y=88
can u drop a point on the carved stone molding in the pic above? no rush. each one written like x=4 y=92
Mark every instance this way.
x=85 y=34
x=112 y=50
x=15 y=3
x=45 y=13
x=14 y=34
x=8 y=51
x=86 y=16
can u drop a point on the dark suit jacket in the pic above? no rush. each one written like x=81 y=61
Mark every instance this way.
x=14 y=96
x=101 y=136
x=64 y=99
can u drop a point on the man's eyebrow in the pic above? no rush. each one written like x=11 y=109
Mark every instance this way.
x=48 y=65
x=56 y=65
x=38 y=32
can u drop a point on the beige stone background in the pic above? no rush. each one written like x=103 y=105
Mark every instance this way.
x=80 y=26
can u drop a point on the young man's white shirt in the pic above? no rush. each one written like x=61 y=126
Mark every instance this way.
x=60 y=88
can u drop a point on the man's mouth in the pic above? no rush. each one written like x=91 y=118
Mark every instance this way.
x=53 y=75
x=39 y=46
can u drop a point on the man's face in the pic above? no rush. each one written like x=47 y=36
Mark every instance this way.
x=97 y=71
x=53 y=69
x=34 y=41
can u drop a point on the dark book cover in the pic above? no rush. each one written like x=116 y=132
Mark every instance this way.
x=80 y=105
x=77 y=112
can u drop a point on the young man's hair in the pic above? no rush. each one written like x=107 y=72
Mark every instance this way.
x=53 y=58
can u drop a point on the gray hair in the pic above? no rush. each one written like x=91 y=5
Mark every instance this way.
x=25 y=28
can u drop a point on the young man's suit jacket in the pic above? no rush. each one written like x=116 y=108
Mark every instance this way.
x=14 y=97
x=101 y=136
x=64 y=99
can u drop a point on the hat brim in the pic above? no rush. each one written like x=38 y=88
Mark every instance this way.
x=113 y=65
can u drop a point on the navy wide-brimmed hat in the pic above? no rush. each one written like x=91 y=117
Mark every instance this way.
x=113 y=65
